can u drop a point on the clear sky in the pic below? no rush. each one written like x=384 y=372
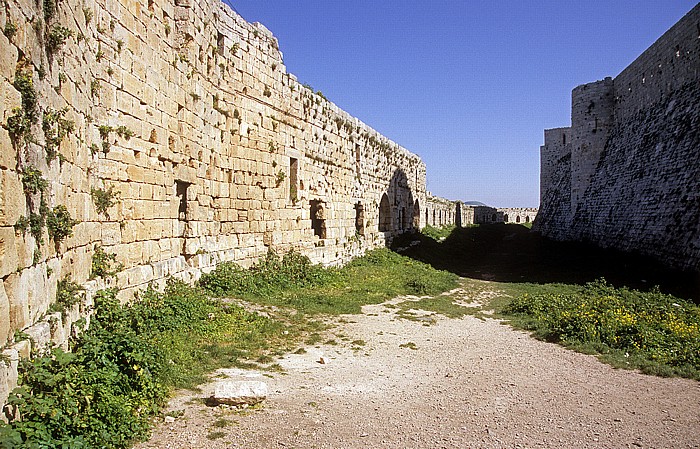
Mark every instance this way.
x=468 y=85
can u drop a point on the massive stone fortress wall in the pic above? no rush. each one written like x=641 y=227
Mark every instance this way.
x=172 y=132
x=627 y=172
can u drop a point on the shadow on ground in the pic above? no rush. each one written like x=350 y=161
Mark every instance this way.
x=513 y=253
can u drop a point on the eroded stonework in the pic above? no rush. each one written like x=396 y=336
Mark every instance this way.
x=172 y=132
x=626 y=174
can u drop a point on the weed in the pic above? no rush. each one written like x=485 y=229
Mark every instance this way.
x=167 y=29
x=100 y=54
x=87 y=12
x=60 y=223
x=36 y=226
x=124 y=132
x=104 y=199
x=293 y=281
x=22 y=224
x=10 y=29
x=56 y=37
x=280 y=177
x=651 y=331
x=409 y=345
x=33 y=180
x=68 y=293
x=437 y=233
x=221 y=422
x=55 y=127
x=95 y=88
x=117 y=378
x=104 y=264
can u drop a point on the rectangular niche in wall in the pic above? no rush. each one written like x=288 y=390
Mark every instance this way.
x=318 y=218
x=181 y=192
x=293 y=179
x=359 y=219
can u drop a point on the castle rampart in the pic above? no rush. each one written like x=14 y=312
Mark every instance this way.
x=634 y=184
x=169 y=134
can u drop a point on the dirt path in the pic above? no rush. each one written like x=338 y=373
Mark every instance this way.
x=467 y=383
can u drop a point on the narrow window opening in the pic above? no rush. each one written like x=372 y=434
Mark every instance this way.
x=181 y=192
x=527 y=219
x=517 y=218
x=318 y=218
x=359 y=219
x=404 y=219
x=293 y=179
x=505 y=218
x=416 y=215
x=563 y=139
x=357 y=160
x=220 y=44
x=493 y=217
x=384 y=214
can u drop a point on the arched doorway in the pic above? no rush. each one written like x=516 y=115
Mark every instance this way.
x=416 y=215
x=384 y=214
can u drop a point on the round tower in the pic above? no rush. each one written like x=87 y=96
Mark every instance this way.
x=592 y=119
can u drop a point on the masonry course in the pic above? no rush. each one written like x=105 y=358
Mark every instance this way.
x=211 y=150
x=626 y=174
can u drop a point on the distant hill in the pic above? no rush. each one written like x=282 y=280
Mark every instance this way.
x=473 y=203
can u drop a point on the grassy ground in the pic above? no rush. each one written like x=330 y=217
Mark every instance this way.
x=558 y=292
x=121 y=370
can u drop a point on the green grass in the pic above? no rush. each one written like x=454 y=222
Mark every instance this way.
x=437 y=233
x=654 y=332
x=121 y=370
x=443 y=305
x=292 y=282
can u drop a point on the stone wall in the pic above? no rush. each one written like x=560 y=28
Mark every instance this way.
x=444 y=212
x=631 y=177
x=441 y=212
x=172 y=132
x=518 y=214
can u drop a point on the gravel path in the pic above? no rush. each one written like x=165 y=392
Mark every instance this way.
x=467 y=383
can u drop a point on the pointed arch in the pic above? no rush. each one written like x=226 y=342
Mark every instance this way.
x=416 y=215
x=384 y=214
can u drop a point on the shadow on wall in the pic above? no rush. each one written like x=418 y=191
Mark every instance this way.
x=399 y=210
x=512 y=253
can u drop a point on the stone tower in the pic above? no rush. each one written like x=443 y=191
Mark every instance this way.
x=592 y=119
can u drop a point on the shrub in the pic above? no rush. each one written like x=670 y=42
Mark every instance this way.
x=104 y=264
x=655 y=332
x=104 y=199
x=55 y=127
x=33 y=180
x=60 y=223
x=56 y=37
x=10 y=29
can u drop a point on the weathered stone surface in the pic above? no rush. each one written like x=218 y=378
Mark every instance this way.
x=239 y=392
x=627 y=173
x=8 y=251
x=4 y=316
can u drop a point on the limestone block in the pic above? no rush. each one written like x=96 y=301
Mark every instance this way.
x=8 y=373
x=4 y=316
x=111 y=233
x=18 y=294
x=8 y=252
x=12 y=200
x=40 y=336
x=8 y=157
x=8 y=58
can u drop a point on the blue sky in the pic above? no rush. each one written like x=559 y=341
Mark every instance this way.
x=467 y=85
